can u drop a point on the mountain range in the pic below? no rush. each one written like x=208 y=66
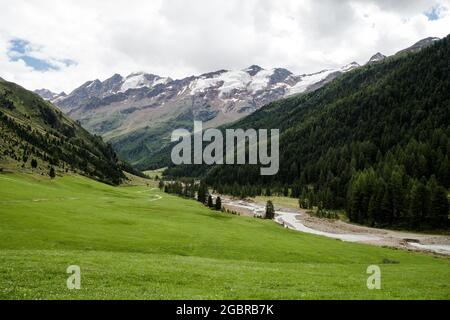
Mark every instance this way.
x=137 y=113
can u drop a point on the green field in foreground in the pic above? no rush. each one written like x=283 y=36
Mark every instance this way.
x=139 y=243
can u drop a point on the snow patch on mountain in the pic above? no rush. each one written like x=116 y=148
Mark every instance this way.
x=229 y=81
x=234 y=80
x=202 y=84
x=140 y=80
x=260 y=80
x=308 y=80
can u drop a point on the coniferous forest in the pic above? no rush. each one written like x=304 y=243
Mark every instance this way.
x=375 y=142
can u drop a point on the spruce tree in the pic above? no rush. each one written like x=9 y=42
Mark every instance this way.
x=438 y=215
x=270 y=211
x=52 y=173
x=419 y=203
x=210 y=201
x=218 y=205
x=202 y=190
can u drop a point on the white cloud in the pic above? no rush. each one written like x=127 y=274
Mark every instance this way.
x=179 y=38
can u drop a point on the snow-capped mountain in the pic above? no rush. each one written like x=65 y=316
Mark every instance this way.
x=239 y=91
x=227 y=95
x=116 y=84
x=147 y=107
x=313 y=81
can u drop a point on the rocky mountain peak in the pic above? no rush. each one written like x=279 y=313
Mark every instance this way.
x=376 y=58
x=46 y=94
x=253 y=69
x=115 y=78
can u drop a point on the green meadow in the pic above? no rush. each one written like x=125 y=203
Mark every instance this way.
x=139 y=243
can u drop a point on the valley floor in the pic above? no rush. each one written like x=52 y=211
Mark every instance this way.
x=290 y=216
x=136 y=242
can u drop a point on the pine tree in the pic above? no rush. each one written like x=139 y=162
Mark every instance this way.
x=419 y=203
x=372 y=210
x=439 y=209
x=201 y=193
x=385 y=208
x=210 y=201
x=270 y=211
x=52 y=173
x=285 y=191
x=218 y=205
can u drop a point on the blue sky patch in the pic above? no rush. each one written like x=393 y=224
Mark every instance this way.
x=18 y=45
x=433 y=14
x=21 y=49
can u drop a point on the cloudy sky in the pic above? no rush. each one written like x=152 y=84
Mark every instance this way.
x=60 y=44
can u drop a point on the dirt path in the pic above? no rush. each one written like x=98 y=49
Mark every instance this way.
x=299 y=220
x=156 y=197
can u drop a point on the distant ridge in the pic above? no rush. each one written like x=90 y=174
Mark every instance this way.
x=419 y=45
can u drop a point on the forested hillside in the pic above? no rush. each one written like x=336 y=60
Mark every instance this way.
x=376 y=142
x=35 y=135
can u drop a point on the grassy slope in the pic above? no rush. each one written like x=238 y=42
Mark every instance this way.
x=129 y=244
x=51 y=138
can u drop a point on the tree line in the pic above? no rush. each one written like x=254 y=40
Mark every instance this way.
x=192 y=190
